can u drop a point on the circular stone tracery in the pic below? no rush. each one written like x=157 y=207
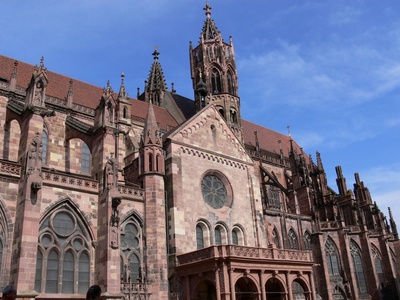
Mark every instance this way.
x=214 y=191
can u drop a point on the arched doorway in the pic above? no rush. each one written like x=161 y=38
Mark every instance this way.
x=299 y=291
x=245 y=289
x=274 y=290
x=206 y=291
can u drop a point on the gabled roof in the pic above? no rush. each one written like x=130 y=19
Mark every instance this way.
x=84 y=94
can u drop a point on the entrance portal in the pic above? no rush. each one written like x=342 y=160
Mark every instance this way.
x=206 y=291
x=274 y=290
x=245 y=289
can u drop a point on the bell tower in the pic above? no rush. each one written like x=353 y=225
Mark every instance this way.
x=214 y=74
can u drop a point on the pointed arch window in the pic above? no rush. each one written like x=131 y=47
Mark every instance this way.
x=150 y=156
x=132 y=250
x=292 y=239
x=45 y=142
x=378 y=264
x=307 y=240
x=158 y=163
x=86 y=158
x=62 y=261
x=230 y=84
x=216 y=82
x=332 y=258
x=125 y=112
x=358 y=268
x=273 y=198
x=276 y=239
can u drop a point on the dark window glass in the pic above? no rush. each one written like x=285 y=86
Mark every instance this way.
x=358 y=268
x=63 y=228
x=332 y=258
x=292 y=239
x=131 y=251
x=38 y=275
x=86 y=159
x=52 y=272
x=84 y=273
x=45 y=141
x=68 y=273
x=199 y=237
x=235 y=238
x=63 y=223
x=218 y=236
x=135 y=267
x=214 y=191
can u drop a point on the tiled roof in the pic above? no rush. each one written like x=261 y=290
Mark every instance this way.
x=89 y=96
x=268 y=139
x=84 y=94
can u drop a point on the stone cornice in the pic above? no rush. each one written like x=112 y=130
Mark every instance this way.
x=216 y=157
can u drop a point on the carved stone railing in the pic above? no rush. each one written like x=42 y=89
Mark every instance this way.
x=10 y=168
x=329 y=225
x=70 y=181
x=242 y=252
x=131 y=191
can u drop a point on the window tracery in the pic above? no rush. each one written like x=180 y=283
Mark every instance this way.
x=63 y=256
x=358 y=267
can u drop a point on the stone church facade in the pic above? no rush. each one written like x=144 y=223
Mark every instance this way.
x=163 y=197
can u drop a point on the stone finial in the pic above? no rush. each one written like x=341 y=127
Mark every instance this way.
x=70 y=95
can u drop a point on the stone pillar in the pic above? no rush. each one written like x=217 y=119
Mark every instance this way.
x=25 y=243
x=156 y=235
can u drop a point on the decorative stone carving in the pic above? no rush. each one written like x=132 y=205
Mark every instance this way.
x=114 y=223
x=34 y=157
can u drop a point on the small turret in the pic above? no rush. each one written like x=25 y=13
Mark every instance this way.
x=36 y=91
x=361 y=192
x=151 y=150
x=13 y=78
x=70 y=94
x=341 y=181
x=393 y=225
x=124 y=105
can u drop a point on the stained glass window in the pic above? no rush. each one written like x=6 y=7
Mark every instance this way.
x=214 y=191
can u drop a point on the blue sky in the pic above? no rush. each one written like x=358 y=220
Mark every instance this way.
x=329 y=69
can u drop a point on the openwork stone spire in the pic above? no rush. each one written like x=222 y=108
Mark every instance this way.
x=210 y=30
x=156 y=85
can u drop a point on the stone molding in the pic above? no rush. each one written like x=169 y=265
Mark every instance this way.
x=212 y=157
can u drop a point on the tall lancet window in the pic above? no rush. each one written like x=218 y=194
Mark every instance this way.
x=292 y=239
x=216 y=82
x=358 y=268
x=63 y=255
x=131 y=250
x=45 y=142
x=332 y=257
x=230 y=84
x=86 y=158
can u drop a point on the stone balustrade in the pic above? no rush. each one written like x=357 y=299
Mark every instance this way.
x=243 y=252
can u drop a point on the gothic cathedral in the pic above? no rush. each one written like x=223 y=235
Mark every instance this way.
x=165 y=197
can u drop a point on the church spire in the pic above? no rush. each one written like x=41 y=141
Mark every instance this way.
x=156 y=85
x=214 y=74
x=210 y=30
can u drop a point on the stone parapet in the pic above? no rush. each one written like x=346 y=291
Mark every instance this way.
x=242 y=252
